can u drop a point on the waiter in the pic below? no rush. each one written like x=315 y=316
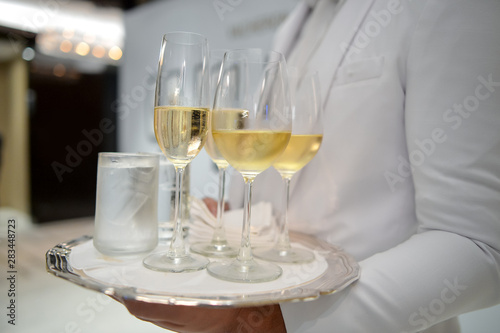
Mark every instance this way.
x=408 y=176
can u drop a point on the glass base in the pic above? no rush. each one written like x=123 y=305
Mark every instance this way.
x=289 y=256
x=211 y=249
x=163 y=263
x=166 y=231
x=249 y=271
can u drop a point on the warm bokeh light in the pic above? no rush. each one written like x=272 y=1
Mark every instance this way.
x=59 y=70
x=68 y=33
x=82 y=31
x=47 y=42
x=82 y=49
x=66 y=46
x=115 y=53
x=98 y=51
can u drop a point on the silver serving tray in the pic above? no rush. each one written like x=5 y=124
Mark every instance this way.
x=342 y=270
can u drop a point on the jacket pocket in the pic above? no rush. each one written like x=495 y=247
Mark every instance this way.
x=360 y=70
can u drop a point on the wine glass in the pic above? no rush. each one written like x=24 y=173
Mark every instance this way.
x=305 y=142
x=251 y=125
x=181 y=120
x=218 y=246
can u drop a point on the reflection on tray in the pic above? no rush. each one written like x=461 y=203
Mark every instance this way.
x=77 y=261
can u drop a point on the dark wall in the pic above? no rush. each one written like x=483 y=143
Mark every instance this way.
x=71 y=121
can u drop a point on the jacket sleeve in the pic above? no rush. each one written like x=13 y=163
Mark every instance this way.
x=452 y=122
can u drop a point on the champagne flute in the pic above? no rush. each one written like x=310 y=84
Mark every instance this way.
x=182 y=110
x=218 y=246
x=304 y=143
x=251 y=125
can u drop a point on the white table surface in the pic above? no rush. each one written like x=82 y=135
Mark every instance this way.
x=48 y=304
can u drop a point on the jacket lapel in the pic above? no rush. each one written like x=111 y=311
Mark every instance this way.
x=287 y=34
x=333 y=48
x=337 y=41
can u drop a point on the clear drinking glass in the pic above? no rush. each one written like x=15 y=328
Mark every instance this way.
x=126 y=221
x=305 y=142
x=251 y=125
x=181 y=120
x=218 y=246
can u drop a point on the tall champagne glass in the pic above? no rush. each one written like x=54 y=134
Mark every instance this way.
x=251 y=125
x=218 y=246
x=181 y=120
x=305 y=142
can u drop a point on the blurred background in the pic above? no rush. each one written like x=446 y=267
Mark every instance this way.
x=77 y=78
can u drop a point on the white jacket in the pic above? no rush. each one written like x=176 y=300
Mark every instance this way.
x=408 y=175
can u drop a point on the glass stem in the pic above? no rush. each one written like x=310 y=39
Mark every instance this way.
x=219 y=237
x=177 y=248
x=283 y=243
x=245 y=254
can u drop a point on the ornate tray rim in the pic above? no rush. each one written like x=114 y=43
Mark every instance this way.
x=58 y=263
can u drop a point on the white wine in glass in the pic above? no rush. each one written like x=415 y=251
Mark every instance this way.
x=214 y=153
x=218 y=246
x=251 y=125
x=305 y=142
x=181 y=131
x=181 y=121
x=300 y=150
x=251 y=151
